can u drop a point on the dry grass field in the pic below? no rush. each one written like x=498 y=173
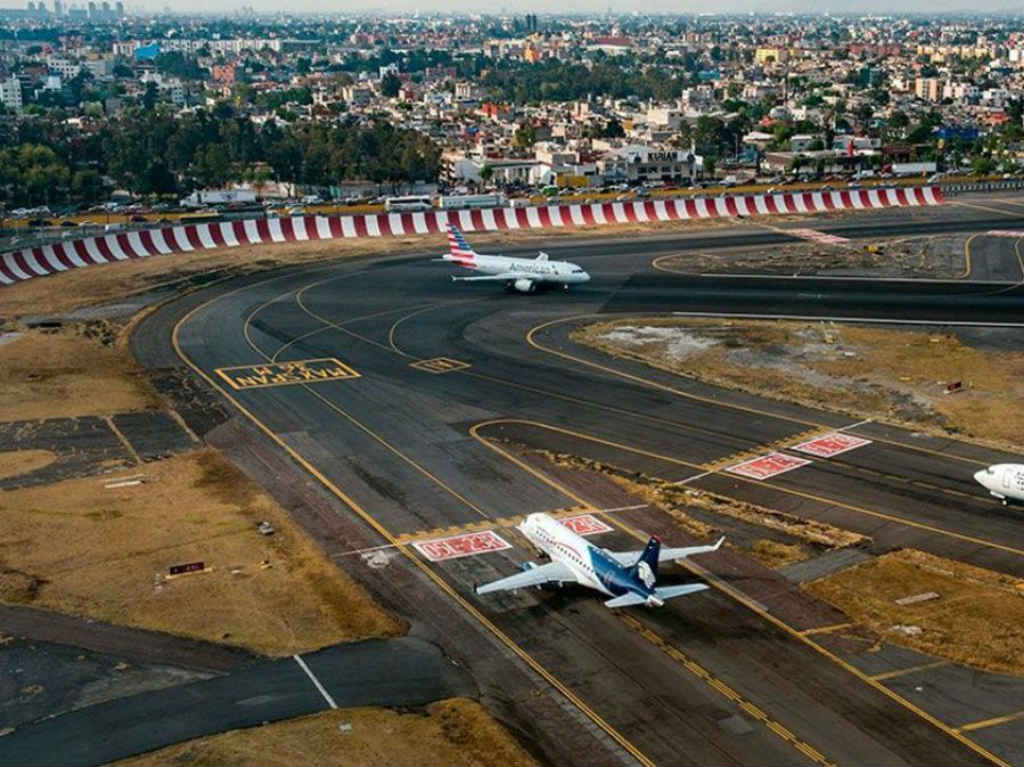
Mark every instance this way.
x=15 y=462
x=895 y=375
x=78 y=547
x=73 y=371
x=977 y=619
x=450 y=732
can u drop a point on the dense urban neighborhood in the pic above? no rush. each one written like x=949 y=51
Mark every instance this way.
x=100 y=106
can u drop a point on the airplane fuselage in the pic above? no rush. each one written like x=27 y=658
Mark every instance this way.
x=561 y=272
x=1003 y=480
x=593 y=567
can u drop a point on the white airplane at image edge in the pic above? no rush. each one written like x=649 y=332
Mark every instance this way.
x=522 y=274
x=1003 y=480
x=627 y=576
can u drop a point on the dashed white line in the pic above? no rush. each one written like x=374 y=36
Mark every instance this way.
x=315 y=681
x=695 y=476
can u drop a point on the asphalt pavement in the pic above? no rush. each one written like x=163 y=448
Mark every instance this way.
x=392 y=445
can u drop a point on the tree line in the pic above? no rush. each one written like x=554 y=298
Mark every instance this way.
x=43 y=161
x=559 y=81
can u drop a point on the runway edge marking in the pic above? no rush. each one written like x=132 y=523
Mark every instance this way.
x=752 y=605
x=386 y=534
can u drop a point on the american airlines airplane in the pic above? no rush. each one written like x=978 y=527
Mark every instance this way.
x=1004 y=480
x=626 y=576
x=522 y=274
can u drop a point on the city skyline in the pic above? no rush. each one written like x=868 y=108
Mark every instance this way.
x=569 y=7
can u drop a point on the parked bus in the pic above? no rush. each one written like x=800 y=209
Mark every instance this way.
x=467 y=201
x=409 y=203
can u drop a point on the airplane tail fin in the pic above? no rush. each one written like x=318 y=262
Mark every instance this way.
x=646 y=568
x=459 y=250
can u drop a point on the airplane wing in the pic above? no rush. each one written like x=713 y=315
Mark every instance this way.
x=541 y=256
x=535 y=576
x=666 y=592
x=629 y=558
x=490 y=277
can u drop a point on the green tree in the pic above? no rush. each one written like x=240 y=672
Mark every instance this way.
x=150 y=96
x=525 y=136
x=87 y=185
x=390 y=84
x=613 y=129
x=982 y=165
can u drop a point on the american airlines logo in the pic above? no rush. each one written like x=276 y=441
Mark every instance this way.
x=535 y=268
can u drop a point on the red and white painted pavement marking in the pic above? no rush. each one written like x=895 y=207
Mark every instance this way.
x=815 y=236
x=586 y=524
x=1005 y=232
x=832 y=444
x=767 y=466
x=464 y=545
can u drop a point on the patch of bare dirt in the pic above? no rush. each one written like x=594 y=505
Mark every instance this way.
x=15 y=462
x=921 y=256
x=450 y=732
x=80 y=547
x=70 y=371
x=868 y=372
x=976 y=617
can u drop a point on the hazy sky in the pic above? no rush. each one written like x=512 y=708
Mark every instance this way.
x=590 y=6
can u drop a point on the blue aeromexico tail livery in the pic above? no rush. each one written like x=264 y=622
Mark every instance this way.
x=627 y=576
x=522 y=274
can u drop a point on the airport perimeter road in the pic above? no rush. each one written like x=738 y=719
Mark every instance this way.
x=383 y=436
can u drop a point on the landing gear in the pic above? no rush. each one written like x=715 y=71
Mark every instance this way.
x=565 y=287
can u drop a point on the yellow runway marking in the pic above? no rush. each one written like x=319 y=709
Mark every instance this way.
x=124 y=440
x=750 y=604
x=709 y=400
x=394 y=326
x=269 y=374
x=906 y=671
x=1006 y=200
x=826 y=629
x=741 y=478
x=1000 y=211
x=723 y=689
x=997 y=720
x=327 y=325
x=429 y=572
x=439 y=365
x=967 y=257
x=362 y=427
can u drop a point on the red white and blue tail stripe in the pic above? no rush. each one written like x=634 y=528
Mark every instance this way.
x=459 y=249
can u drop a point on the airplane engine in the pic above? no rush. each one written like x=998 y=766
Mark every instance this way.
x=524 y=285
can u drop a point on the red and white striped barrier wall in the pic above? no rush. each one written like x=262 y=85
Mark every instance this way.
x=122 y=246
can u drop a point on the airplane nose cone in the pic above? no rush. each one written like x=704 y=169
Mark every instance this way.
x=979 y=477
x=586 y=277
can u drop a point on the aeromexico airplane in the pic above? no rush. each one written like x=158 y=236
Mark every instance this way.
x=522 y=274
x=627 y=576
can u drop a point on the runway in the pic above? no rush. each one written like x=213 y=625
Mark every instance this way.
x=416 y=427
